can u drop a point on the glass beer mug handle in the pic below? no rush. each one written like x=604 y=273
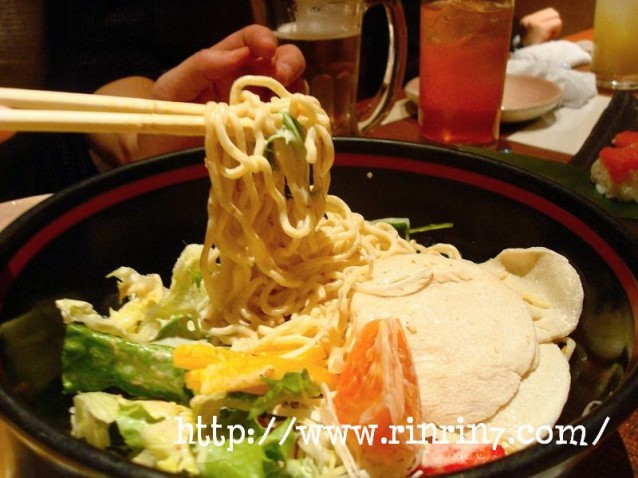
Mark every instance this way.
x=392 y=83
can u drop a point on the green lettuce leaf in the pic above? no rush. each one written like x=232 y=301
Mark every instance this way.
x=151 y=429
x=403 y=227
x=292 y=133
x=257 y=456
x=182 y=327
x=131 y=421
x=150 y=311
x=93 y=361
x=292 y=386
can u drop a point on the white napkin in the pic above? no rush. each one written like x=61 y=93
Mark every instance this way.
x=563 y=52
x=554 y=61
x=564 y=130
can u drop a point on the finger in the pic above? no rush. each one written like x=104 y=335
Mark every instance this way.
x=548 y=30
x=258 y=38
x=549 y=12
x=289 y=64
x=286 y=67
x=5 y=135
x=554 y=28
x=545 y=14
x=190 y=78
x=536 y=19
x=300 y=85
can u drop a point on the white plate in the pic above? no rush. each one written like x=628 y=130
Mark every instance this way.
x=10 y=210
x=525 y=97
x=528 y=97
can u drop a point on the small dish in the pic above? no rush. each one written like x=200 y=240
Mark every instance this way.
x=524 y=98
x=528 y=97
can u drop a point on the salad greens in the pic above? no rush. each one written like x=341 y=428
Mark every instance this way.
x=150 y=311
x=133 y=395
x=161 y=435
x=292 y=387
x=93 y=361
x=292 y=133
x=403 y=227
x=130 y=397
x=268 y=455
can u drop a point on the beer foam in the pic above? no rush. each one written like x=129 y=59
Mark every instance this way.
x=318 y=20
x=295 y=31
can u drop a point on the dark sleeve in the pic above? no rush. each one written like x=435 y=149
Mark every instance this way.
x=92 y=43
x=88 y=44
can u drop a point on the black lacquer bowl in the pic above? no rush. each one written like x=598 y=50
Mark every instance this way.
x=143 y=215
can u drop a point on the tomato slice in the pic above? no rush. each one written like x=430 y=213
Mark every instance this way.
x=619 y=161
x=626 y=138
x=446 y=458
x=378 y=388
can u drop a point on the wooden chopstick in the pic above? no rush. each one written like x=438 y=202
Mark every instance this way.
x=64 y=112
x=19 y=98
x=101 y=122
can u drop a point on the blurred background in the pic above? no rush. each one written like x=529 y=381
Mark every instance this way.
x=76 y=45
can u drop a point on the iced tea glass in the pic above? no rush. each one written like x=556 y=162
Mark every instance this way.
x=328 y=32
x=615 y=61
x=464 y=47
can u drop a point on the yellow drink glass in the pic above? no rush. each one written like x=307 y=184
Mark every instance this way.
x=615 y=61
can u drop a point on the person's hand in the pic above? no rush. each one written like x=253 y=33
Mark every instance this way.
x=5 y=135
x=209 y=74
x=541 y=26
x=205 y=76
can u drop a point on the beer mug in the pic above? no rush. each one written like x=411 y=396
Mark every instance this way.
x=328 y=32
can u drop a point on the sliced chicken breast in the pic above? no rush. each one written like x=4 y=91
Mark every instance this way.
x=472 y=336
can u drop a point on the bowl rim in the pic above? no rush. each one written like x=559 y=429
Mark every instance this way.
x=187 y=165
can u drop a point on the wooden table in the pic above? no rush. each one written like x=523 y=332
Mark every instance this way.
x=408 y=130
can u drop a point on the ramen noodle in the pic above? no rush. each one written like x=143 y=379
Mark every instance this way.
x=279 y=250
